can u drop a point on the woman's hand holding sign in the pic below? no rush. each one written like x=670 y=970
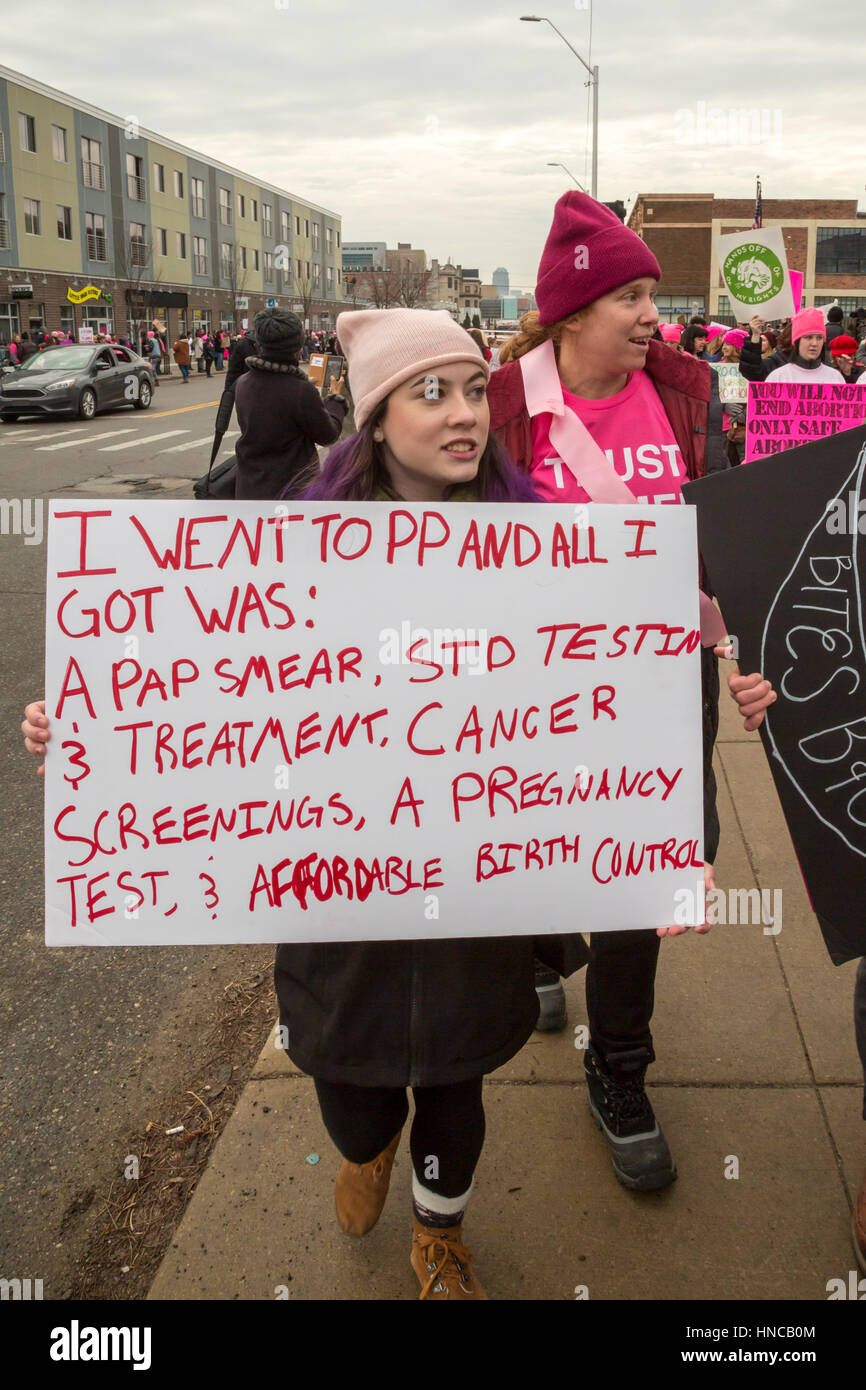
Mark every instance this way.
x=752 y=693
x=34 y=727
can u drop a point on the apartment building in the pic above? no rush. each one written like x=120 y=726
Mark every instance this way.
x=104 y=224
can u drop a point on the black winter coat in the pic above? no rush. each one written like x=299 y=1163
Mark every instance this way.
x=754 y=367
x=406 y=1013
x=282 y=418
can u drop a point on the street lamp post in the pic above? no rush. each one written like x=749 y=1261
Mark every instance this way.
x=554 y=164
x=593 y=82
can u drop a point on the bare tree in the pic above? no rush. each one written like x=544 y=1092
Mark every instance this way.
x=232 y=270
x=414 y=285
x=133 y=258
x=304 y=292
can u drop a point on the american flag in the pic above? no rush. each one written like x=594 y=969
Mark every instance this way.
x=759 y=209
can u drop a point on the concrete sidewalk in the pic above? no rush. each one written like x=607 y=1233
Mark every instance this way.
x=756 y=1063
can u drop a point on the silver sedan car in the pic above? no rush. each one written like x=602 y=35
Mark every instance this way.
x=77 y=380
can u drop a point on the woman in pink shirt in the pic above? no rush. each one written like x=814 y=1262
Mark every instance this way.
x=595 y=410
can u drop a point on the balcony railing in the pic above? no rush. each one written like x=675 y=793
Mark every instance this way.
x=225 y=215
x=96 y=246
x=138 y=253
x=199 y=207
x=201 y=265
x=136 y=188
x=93 y=175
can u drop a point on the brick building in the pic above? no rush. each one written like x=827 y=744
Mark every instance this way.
x=825 y=239
x=105 y=225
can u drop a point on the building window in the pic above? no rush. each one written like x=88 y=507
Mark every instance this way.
x=5 y=239
x=307 y=267
x=338 y=241
x=297 y=226
x=242 y=205
x=849 y=304
x=339 y=276
x=315 y=236
x=64 y=223
x=225 y=207
x=67 y=320
x=58 y=144
x=267 y=223
x=134 y=182
x=286 y=226
x=225 y=260
x=137 y=245
x=199 y=208
x=329 y=271
x=254 y=210
x=92 y=168
x=27 y=132
x=161 y=239
x=317 y=275
x=199 y=248
x=243 y=250
x=178 y=184
x=94 y=225
x=269 y=268
x=31 y=217
x=841 y=251
x=255 y=260
x=306 y=226
x=159 y=178
x=670 y=306
x=300 y=271
x=181 y=246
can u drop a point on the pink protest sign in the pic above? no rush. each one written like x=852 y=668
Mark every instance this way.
x=782 y=414
x=796 y=278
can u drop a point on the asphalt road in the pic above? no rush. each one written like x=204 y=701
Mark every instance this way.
x=90 y=1040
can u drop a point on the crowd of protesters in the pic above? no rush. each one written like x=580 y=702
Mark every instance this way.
x=487 y=434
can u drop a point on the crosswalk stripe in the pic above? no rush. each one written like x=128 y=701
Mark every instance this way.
x=72 y=443
x=31 y=438
x=190 y=444
x=145 y=439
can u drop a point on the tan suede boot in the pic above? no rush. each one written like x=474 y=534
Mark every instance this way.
x=441 y=1261
x=361 y=1190
x=858 y=1226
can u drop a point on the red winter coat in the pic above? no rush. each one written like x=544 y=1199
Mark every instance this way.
x=684 y=384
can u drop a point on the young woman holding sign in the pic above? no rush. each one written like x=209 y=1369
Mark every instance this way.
x=367 y=1020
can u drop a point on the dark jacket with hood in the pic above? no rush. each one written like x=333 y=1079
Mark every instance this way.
x=754 y=367
x=282 y=419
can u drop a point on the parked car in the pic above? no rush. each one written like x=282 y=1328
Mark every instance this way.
x=78 y=380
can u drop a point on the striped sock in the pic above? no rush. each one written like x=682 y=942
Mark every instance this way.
x=432 y=1209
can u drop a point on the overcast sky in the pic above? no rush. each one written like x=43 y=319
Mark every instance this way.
x=433 y=123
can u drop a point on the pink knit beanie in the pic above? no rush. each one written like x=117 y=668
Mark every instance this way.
x=807 y=321
x=588 y=252
x=671 y=332
x=385 y=347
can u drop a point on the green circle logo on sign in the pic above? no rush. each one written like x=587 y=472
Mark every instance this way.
x=753 y=273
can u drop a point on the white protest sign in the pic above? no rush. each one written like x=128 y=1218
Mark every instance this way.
x=733 y=388
x=85 y=335
x=336 y=721
x=754 y=269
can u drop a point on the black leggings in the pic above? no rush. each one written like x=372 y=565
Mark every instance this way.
x=448 y=1127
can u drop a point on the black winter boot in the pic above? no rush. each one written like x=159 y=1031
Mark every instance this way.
x=620 y=1107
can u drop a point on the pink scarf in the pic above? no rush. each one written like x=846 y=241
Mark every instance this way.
x=584 y=459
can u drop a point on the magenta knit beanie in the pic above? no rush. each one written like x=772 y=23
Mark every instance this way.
x=588 y=252
x=808 y=321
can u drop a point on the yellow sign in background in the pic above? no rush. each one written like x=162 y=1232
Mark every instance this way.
x=79 y=296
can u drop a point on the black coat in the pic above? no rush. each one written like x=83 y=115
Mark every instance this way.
x=282 y=418
x=754 y=367
x=406 y=1013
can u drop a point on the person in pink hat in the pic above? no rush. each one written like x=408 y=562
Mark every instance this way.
x=655 y=418
x=808 y=336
